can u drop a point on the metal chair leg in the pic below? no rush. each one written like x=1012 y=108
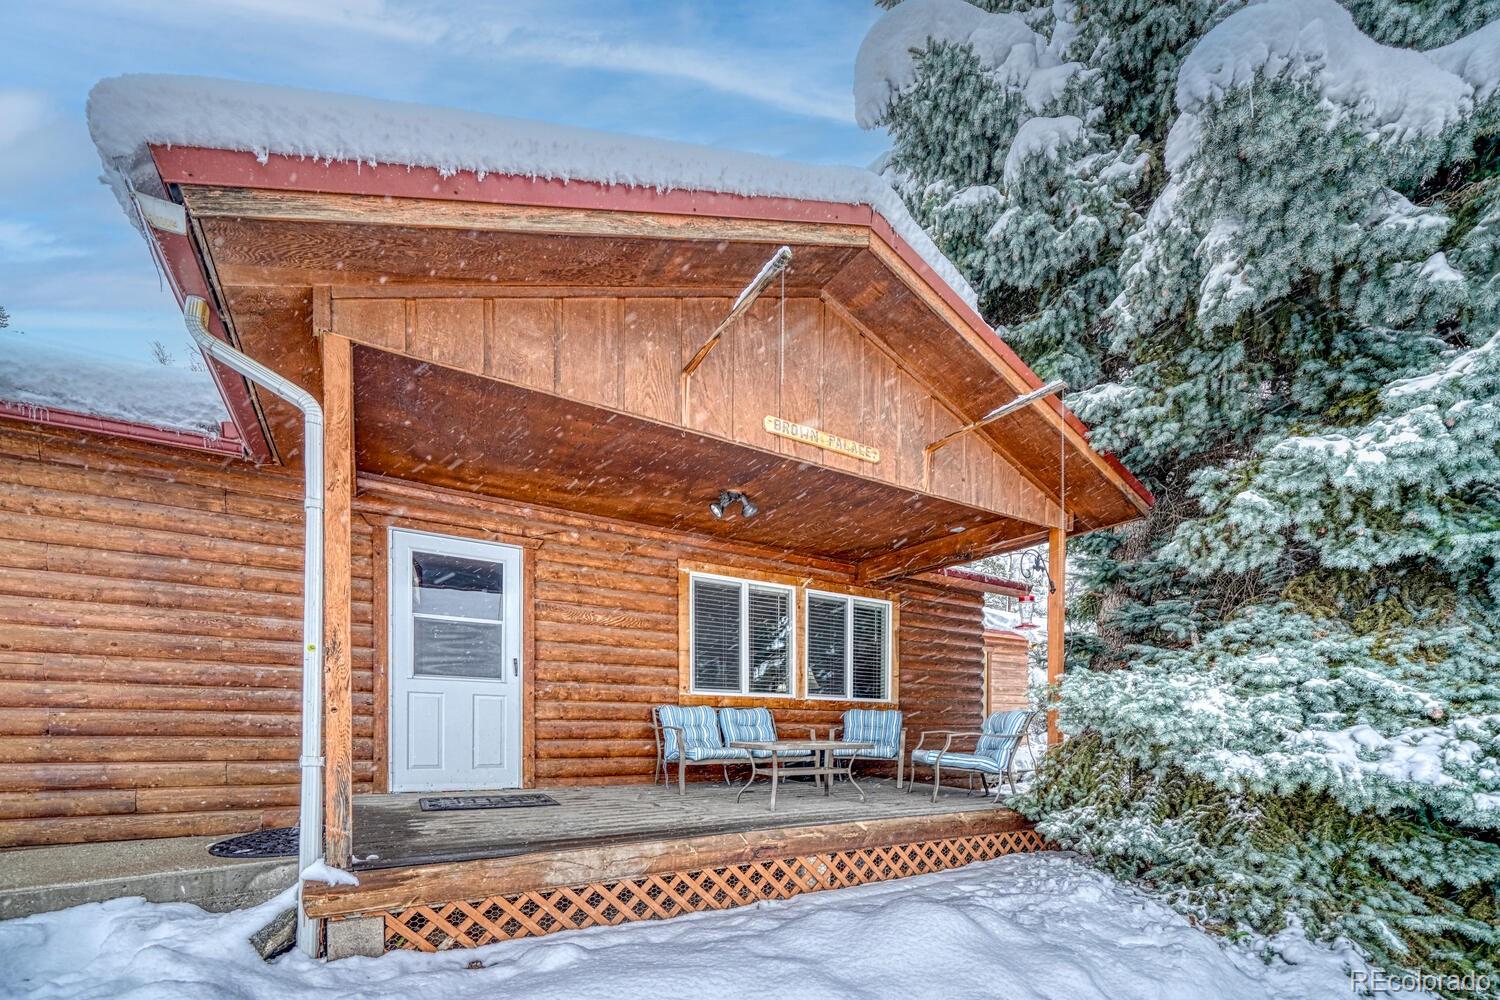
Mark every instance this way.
x=682 y=775
x=937 y=778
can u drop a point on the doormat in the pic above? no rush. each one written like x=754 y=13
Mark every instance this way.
x=525 y=800
x=281 y=843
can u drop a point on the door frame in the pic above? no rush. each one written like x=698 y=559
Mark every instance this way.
x=381 y=600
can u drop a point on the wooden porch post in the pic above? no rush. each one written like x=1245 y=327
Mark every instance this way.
x=1057 y=569
x=338 y=491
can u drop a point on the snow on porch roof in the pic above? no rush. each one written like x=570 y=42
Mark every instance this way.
x=129 y=114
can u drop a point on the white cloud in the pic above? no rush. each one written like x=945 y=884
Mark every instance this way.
x=24 y=242
x=770 y=82
x=21 y=113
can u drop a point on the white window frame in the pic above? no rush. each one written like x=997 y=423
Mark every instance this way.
x=890 y=638
x=744 y=583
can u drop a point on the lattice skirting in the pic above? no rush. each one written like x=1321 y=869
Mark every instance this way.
x=658 y=897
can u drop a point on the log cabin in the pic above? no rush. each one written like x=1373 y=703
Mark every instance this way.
x=636 y=395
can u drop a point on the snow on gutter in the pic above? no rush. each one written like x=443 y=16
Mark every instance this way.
x=225 y=443
x=310 y=809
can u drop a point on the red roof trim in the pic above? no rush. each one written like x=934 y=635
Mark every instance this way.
x=52 y=416
x=279 y=172
x=986 y=578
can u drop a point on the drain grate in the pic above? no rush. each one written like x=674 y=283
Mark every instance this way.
x=525 y=800
x=279 y=843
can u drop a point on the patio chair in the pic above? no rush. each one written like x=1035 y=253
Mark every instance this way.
x=882 y=727
x=756 y=725
x=995 y=753
x=690 y=735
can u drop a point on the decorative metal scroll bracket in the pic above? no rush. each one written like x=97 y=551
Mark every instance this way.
x=1002 y=410
x=778 y=263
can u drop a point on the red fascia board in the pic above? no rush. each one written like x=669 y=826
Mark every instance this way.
x=186 y=277
x=280 y=172
x=52 y=416
x=987 y=578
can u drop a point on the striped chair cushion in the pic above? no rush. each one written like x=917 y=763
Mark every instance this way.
x=717 y=753
x=1002 y=731
x=881 y=727
x=956 y=759
x=875 y=754
x=752 y=725
x=700 y=730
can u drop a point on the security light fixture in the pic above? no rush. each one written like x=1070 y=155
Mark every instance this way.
x=727 y=499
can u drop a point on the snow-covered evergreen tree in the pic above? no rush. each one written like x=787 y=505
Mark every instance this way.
x=1264 y=241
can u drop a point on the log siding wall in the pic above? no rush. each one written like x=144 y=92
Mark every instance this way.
x=149 y=637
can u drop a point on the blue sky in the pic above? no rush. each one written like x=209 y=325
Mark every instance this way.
x=768 y=77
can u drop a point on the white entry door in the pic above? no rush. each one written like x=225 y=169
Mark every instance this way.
x=455 y=663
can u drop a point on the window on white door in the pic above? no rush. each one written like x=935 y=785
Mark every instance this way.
x=848 y=647
x=458 y=616
x=742 y=636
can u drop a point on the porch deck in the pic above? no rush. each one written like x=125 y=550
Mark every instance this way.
x=609 y=855
x=391 y=831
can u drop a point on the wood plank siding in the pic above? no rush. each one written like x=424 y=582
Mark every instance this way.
x=149 y=634
x=815 y=365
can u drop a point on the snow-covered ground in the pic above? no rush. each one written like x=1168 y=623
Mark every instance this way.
x=1023 y=926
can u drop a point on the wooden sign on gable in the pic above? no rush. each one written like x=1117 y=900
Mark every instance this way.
x=821 y=439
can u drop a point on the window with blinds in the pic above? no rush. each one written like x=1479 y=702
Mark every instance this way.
x=848 y=647
x=742 y=636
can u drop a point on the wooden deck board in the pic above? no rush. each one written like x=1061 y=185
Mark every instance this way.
x=391 y=830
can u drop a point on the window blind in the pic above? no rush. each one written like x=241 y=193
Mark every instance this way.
x=716 y=635
x=769 y=627
x=868 y=653
x=827 y=646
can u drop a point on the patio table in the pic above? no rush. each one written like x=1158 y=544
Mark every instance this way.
x=826 y=766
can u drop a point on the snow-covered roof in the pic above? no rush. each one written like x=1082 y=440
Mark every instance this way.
x=149 y=394
x=128 y=114
x=1001 y=620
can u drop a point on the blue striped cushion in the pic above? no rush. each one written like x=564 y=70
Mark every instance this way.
x=717 y=753
x=747 y=724
x=955 y=759
x=875 y=754
x=881 y=727
x=700 y=730
x=753 y=725
x=1002 y=731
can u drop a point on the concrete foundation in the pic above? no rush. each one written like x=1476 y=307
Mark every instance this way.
x=176 y=870
x=356 y=936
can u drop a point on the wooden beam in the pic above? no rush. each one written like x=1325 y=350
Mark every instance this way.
x=951 y=550
x=398 y=888
x=434 y=213
x=1057 y=570
x=338 y=493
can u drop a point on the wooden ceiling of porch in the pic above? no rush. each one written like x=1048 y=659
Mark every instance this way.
x=422 y=422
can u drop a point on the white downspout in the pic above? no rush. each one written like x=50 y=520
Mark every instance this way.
x=310 y=813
